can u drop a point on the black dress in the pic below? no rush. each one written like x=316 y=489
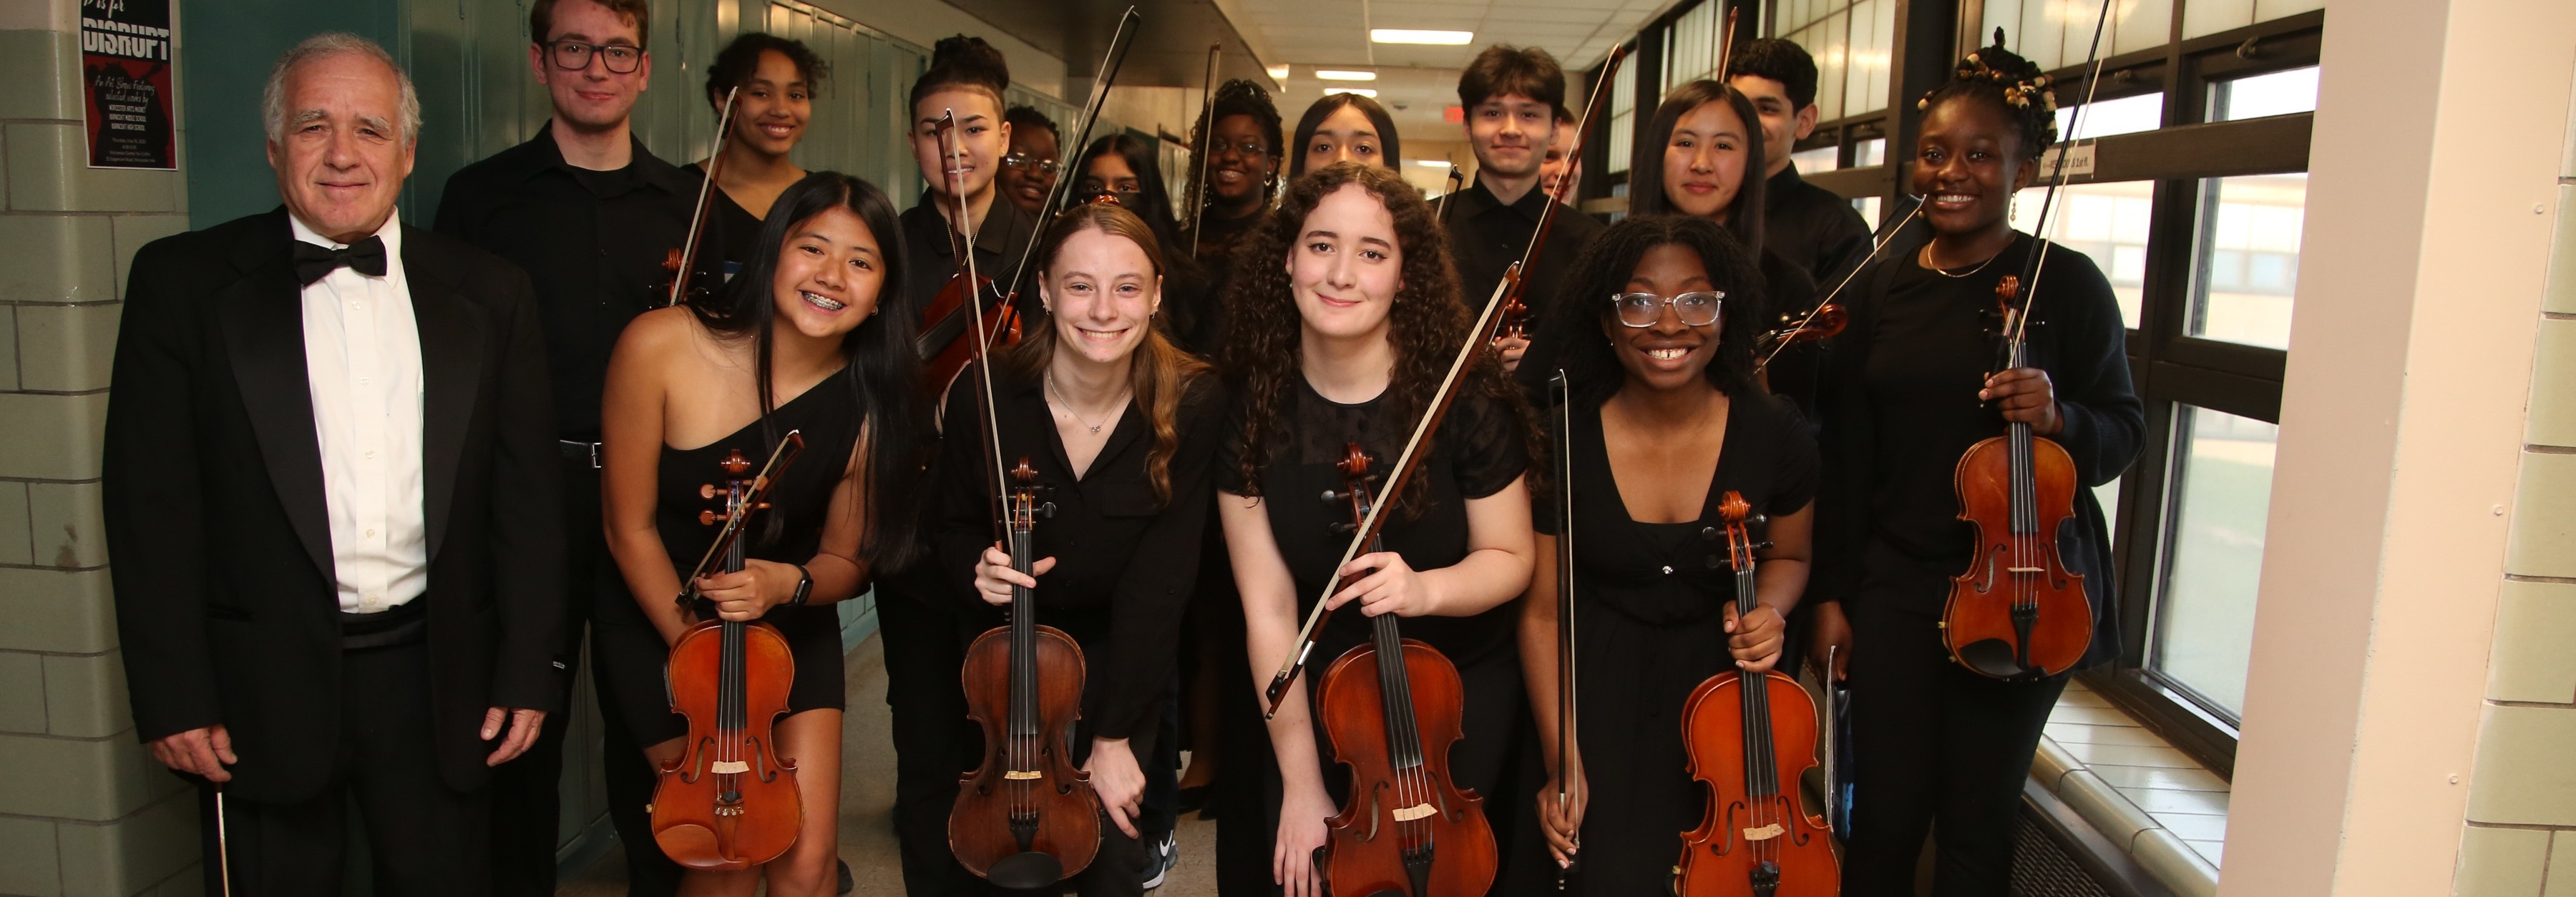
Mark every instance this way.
x=626 y=641
x=1651 y=626
x=1125 y=564
x=1479 y=451
x=731 y=229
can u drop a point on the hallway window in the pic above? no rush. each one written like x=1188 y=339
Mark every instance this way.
x=2248 y=264
x=2222 y=489
x=2106 y=222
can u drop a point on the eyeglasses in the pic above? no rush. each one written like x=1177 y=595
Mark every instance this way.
x=1697 y=308
x=1024 y=160
x=573 y=56
x=1249 y=149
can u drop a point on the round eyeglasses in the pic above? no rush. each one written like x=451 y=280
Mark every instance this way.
x=573 y=56
x=1697 y=308
x=1024 y=160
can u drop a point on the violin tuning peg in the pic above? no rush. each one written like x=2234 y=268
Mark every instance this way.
x=1333 y=496
x=707 y=518
x=762 y=506
x=1342 y=529
x=707 y=490
x=1711 y=533
x=1762 y=546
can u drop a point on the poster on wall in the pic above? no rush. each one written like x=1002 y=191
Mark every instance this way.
x=125 y=83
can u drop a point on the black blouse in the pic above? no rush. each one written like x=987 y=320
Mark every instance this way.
x=730 y=228
x=1126 y=562
x=1899 y=407
x=1478 y=451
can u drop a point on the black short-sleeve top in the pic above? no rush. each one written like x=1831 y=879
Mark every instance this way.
x=1668 y=573
x=1478 y=451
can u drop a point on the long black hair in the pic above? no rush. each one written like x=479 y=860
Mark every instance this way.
x=1153 y=202
x=883 y=372
x=1390 y=148
x=1582 y=310
x=1646 y=167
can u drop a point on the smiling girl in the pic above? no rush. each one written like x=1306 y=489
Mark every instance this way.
x=1345 y=329
x=777 y=77
x=1120 y=427
x=795 y=343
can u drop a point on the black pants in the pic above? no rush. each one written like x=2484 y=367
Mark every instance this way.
x=425 y=837
x=1939 y=749
x=526 y=805
x=933 y=742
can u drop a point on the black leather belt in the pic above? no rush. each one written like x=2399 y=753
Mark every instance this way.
x=407 y=623
x=580 y=453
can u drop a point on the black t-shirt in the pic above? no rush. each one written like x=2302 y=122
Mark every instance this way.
x=1487 y=236
x=1478 y=451
x=592 y=243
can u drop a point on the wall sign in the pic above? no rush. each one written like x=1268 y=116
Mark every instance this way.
x=125 y=83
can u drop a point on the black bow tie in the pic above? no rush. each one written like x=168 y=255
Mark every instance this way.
x=314 y=262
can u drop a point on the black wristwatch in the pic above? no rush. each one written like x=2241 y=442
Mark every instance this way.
x=804 y=586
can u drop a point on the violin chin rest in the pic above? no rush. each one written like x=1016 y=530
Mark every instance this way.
x=1994 y=657
x=1025 y=871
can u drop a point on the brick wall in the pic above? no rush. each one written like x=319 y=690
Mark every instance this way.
x=83 y=809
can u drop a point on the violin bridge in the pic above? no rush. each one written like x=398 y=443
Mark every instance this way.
x=1417 y=811
x=2025 y=569
x=1764 y=833
x=1021 y=775
x=728 y=767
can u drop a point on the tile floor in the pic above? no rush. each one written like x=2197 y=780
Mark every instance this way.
x=2166 y=783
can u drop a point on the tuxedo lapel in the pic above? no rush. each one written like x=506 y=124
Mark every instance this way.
x=451 y=362
x=262 y=317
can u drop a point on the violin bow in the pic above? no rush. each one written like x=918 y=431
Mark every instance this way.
x=1569 y=701
x=1478 y=337
x=988 y=435
x=223 y=843
x=1492 y=329
x=1110 y=62
x=2020 y=322
x=1457 y=181
x=698 y=215
x=787 y=449
x=1207 y=140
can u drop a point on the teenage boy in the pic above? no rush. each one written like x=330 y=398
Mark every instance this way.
x=1513 y=98
x=1808 y=226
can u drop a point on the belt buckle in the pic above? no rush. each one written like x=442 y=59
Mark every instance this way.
x=591 y=448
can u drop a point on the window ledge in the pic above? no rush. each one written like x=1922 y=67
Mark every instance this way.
x=2138 y=792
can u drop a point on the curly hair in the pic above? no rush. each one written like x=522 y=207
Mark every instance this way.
x=1236 y=97
x=2013 y=84
x=1425 y=326
x=738 y=61
x=1582 y=307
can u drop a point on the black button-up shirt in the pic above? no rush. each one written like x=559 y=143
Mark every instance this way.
x=592 y=242
x=1811 y=227
x=1487 y=236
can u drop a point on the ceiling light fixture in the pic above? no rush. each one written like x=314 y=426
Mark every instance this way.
x=1279 y=73
x=1338 y=75
x=1421 y=36
x=1432 y=163
x=1330 y=90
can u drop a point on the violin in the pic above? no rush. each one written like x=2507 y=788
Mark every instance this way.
x=679 y=282
x=1511 y=292
x=1025 y=817
x=1750 y=739
x=729 y=802
x=2017 y=612
x=1391 y=707
x=1824 y=322
x=971 y=303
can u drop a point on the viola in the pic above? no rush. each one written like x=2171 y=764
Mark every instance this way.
x=1750 y=739
x=1026 y=817
x=729 y=802
x=1391 y=707
x=2017 y=612
x=680 y=283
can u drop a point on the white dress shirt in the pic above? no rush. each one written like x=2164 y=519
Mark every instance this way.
x=362 y=359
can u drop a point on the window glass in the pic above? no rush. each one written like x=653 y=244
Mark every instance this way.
x=2204 y=627
x=2276 y=93
x=2106 y=222
x=1868 y=207
x=2247 y=267
x=2103 y=118
x=1823 y=158
x=1623 y=110
x=1869 y=152
x=2201 y=18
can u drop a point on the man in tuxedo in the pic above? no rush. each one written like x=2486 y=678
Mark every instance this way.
x=330 y=493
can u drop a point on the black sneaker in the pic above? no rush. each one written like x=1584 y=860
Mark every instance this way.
x=848 y=884
x=1167 y=856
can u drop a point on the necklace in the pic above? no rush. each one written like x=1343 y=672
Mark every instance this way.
x=1972 y=272
x=1114 y=405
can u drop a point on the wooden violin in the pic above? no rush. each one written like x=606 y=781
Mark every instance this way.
x=1750 y=739
x=729 y=802
x=2017 y=612
x=1391 y=707
x=1824 y=322
x=971 y=303
x=1026 y=817
x=679 y=281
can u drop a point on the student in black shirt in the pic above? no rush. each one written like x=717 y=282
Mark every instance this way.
x=777 y=77
x=1513 y=98
x=1233 y=177
x=1341 y=341
x=1909 y=391
x=589 y=213
x=1120 y=426
x=1806 y=225
x=1029 y=170
x=924 y=631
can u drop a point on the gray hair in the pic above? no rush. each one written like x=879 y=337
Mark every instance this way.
x=272 y=98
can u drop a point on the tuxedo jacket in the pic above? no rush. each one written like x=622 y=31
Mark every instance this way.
x=226 y=601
